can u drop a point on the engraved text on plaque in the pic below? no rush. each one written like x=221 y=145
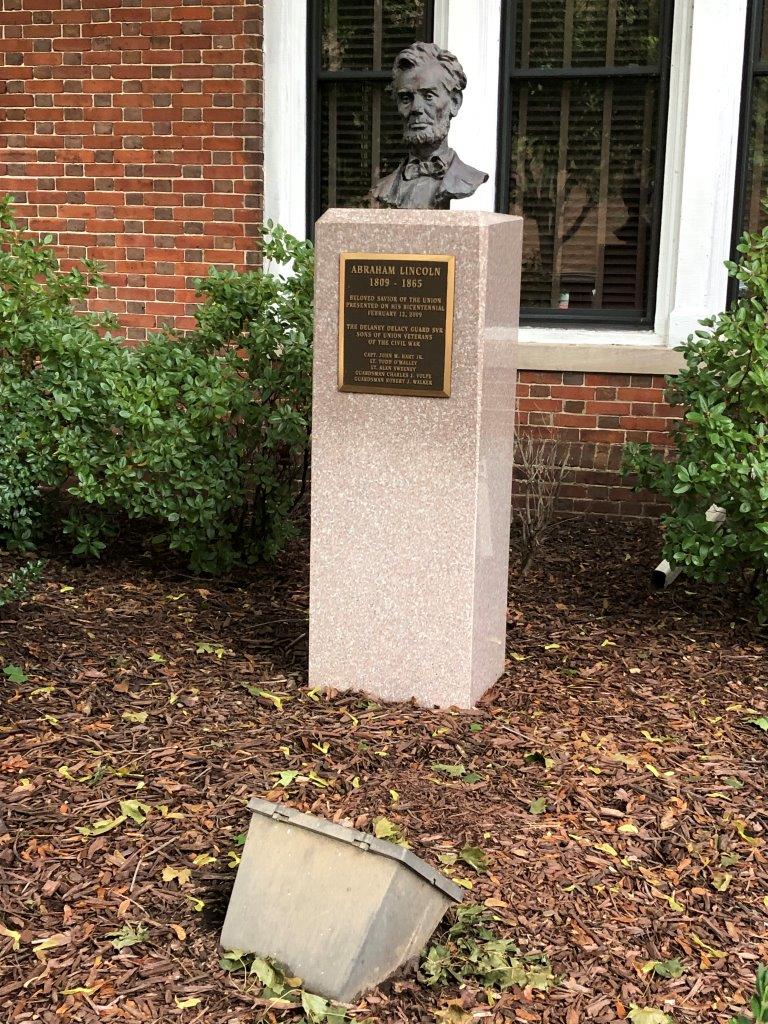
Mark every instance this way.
x=396 y=324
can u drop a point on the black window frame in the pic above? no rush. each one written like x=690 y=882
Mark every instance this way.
x=316 y=75
x=539 y=316
x=753 y=69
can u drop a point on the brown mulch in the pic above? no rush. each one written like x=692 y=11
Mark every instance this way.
x=626 y=712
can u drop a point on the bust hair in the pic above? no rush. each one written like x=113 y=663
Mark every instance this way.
x=422 y=53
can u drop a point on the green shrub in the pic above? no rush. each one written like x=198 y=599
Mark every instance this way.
x=16 y=587
x=722 y=439
x=203 y=434
x=759 y=1002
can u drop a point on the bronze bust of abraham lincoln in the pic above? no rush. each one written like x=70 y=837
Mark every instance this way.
x=427 y=84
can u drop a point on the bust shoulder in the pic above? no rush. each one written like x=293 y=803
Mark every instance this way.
x=461 y=180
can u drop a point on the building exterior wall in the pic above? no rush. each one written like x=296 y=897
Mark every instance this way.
x=592 y=416
x=131 y=131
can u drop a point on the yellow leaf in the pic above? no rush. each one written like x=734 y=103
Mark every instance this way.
x=635 y=671
x=180 y=933
x=197 y=905
x=605 y=848
x=465 y=883
x=721 y=880
x=167 y=813
x=629 y=829
x=181 y=875
x=741 y=828
x=15 y=937
x=66 y=590
x=53 y=942
x=81 y=990
x=717 y=953
x=136 y=717
x=551 y=647
x=202 y=859
x=187 y=1004
x=518 y=657
x=607 y=643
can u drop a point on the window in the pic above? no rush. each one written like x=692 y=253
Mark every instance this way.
x=582 y=120
x=355 y=132
x=753 y=166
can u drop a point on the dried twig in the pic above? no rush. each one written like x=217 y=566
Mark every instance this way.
x=543 y=463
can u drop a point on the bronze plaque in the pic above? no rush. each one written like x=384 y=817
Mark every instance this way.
x=395 y=323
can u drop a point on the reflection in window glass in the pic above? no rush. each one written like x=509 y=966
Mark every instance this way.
x=757 y=169
x=583 y=154
x=360 y=137
x=755 y=217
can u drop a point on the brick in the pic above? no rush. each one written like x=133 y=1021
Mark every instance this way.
x=573 y=378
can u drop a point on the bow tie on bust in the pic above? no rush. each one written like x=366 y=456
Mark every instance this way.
x=435 y=167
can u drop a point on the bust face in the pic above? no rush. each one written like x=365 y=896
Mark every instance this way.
x=425 y=103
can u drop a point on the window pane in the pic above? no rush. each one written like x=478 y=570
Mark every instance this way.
x=755 y=217
x=582 y=168
x=581 y=175
x=361 y=140
x=586 y=33
x=366 y=35
x=360 y=133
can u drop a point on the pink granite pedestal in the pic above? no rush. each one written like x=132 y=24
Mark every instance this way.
x=411 y=495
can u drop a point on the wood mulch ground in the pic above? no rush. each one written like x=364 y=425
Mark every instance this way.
x=624 y=714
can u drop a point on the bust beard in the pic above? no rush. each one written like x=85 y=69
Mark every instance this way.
x=425 y=136
x=434 y=135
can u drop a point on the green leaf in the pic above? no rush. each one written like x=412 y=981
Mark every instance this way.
x=665 y=968
x=128 y=936
x=134 y=810
x=761 y=723
x=266 y=973
x=539 y=806
x=135 y=717
x=98 y=828
x=285 y=778
x=475 y=858
x=383 y=828
x=454 y=771
x=315 y=1007
x=14 y=674
x=537 y=757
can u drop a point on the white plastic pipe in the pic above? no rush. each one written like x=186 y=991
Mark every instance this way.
x=664 y=575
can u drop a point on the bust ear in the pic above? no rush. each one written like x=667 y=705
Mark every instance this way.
x=457 y=98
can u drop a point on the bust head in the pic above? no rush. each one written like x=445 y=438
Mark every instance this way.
x=427 y=83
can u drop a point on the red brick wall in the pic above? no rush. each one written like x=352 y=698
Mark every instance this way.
x=131 y=130
x=593 y=415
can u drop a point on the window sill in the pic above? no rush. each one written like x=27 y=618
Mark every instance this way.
x=596 y=350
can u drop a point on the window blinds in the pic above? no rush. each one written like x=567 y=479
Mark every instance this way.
x=360 y=133
x=583 y=114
